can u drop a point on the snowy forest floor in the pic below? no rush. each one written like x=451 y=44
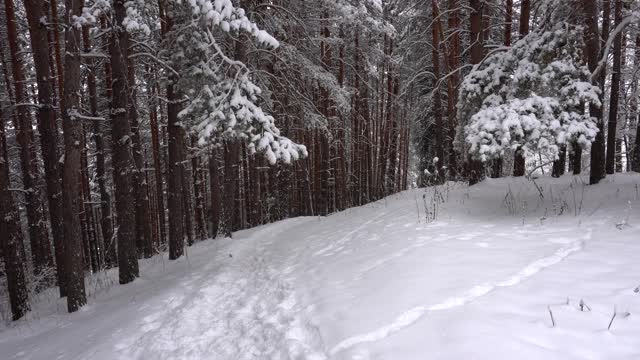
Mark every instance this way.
x=498 y=272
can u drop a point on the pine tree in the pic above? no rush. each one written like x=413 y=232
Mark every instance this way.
x=47 y=127
x=121 y=138
x=176 y=148
x=589 y=10
x=475 y=168
x=615 y=93
x=519 y=161
x=72 y=128
x=38 y=233
x=11 y=238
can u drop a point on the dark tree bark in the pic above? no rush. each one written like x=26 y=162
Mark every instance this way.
x=519 y=161
x=476 y=167
x=576 y=159
x=11 y=238
x=38 y=32
x=92 y=258
x=144 y=242
x=615 y=93
x=356 y=174
x=111 y=256
x=452 y=86
x=58 y=57
x=157 y=164
x=589 y=9
x=216 y=203
x=496 y=171
x=123 y=163
x=198 y=181
x=635 y=155
x=231 y=162
x=72 y=128
x=96 y=248
x=508 y=22
x=174 y=190
x=437 y=101
x=559 y=164
x=187 y=194
x=38 y=234
x=176 y=156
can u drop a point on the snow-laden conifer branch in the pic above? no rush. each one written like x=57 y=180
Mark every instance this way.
x=222 y=98
x=533 y=95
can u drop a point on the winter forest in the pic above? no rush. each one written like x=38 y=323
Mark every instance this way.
x=319 y=179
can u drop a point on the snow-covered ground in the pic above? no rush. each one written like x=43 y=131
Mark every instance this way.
x=498 y=272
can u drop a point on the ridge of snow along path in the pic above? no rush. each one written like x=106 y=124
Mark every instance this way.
x=482 y=281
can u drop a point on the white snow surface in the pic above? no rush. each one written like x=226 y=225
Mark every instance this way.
x=481 y=281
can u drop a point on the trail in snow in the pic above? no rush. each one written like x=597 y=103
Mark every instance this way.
x=411 y=316
x=240 y=317
x=245 y=312
x=337 y=245
x=222 y=302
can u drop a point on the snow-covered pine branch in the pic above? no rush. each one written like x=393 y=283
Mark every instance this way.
x=222 y=98
x=535 y=95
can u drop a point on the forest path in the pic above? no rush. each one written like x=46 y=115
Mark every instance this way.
x=223 y=300
x=242 y=311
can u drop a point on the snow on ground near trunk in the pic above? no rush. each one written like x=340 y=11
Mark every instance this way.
x=482 y=281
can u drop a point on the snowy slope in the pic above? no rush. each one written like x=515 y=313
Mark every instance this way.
x=481 y=281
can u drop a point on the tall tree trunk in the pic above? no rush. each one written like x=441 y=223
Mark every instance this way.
x=91 y=240
x=394 y=138
x=38 y=234
x=157 y=164
x=589 y=9
x=58 y=53
x=197 y=175
x=175 y=188
x=231 y=163
x=615 y=93
x=93 y=103
x=11 y=238
x=576 y=159
x=121 y=141
x=215 y=193
x=437 y=101
x=498 y=163
x=476 y=167
x=187 y=195
x=559 y=164
x=519 y=161
x=176 y=156
x=72 y=128
x=101 y=174
x=635 y=152
x=36 y=10
x=453 y=24
x=355 y=175
x=144 y=242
